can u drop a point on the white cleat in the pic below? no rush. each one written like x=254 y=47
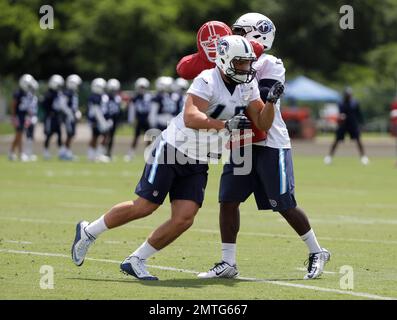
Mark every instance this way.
x=81 y=243
x=364 y=160
x=316 y=264
x=103 y=159
x=25 y=157
x=220 y=270
x=136 y=267
x=328 y=160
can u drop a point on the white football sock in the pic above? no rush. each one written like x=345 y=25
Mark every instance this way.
x=144 y=251
x=97 y=227
x=29 y=147
x=311 y=241
x=229 y=253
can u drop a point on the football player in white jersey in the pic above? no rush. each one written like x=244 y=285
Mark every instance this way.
x=212 y=106
x=272 y=178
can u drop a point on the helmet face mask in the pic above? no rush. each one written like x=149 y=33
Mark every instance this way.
x=238 y=75
x=257 y=27
x=235 y=57
x=208 y=37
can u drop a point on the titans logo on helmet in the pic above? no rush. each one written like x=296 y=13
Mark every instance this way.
x=264 y=26
x=223 y=47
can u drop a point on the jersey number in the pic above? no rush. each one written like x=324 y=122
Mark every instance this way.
x=220 y=107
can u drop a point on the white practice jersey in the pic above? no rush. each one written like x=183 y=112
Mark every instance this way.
x=204 y=144
x=270 y=67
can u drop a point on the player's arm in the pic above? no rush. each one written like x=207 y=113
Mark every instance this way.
x=194 y=114
x=262 y=114
x=191 y=66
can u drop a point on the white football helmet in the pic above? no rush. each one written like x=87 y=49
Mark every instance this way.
x=142 y=83
x=256 y=26
x=232 y=49
x=73 y=82
x=98 y=85
x=180 y=84
x=56 y=82
x=113 y=85
x=164 y=83
x=26 y=82
x=35 y=85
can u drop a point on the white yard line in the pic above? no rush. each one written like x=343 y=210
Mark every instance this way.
x=242 y=233
x=273 y=282
x=326 y=272
x=16 y=241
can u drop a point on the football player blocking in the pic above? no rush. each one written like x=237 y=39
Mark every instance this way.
x=229 y=85
x=272 y=179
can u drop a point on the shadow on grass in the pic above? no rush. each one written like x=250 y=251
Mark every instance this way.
x=180 y=283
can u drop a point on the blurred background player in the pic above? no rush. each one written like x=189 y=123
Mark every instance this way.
x=180 y=87
x=163 y=107
x=138 y=112
x=350 y=119
x=20 y=108
x=53 y=104
x=32 y=120
x=112 y=113
x=71 y=113
x=97 y=103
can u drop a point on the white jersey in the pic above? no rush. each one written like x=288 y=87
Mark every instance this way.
x=270 y=67
x=205 y=144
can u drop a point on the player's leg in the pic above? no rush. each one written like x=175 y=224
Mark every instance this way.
x=70 y=133
x=112 y=132
x=234 y=189
x=354 y=132
x=91 y=153
x=339 y=136
x=16 y=145
x=187 y=195
x=182 y=217
x=118 y=215
x=277 y=175
x=48 y=131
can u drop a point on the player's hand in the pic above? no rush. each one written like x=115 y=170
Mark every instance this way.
x=238 y=122
x=275 y=92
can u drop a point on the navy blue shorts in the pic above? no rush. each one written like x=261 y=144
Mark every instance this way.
x=350 y=128
x=162 y=176
x=70 y=128
x=21 y=121
x=52 y=124
x=271 y=180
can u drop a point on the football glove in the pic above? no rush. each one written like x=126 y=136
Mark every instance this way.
x=238 y=122
x=275 y=92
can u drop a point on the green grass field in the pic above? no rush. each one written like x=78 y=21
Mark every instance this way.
x=353 y=210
